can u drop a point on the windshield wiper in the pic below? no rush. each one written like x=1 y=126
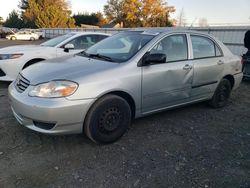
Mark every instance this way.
x=99 y=56
x=83 y=53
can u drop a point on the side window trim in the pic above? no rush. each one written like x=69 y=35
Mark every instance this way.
x=220 y=50
x=68 y=42
x=185 y=35
x=215 y=44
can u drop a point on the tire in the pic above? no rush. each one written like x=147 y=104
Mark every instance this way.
x=13 y=38
x=108 y=119
x=32 y=38
x=221 y=94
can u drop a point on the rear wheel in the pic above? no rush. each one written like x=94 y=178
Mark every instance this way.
x=32 y=38
x=108 y=119
x=221 y=94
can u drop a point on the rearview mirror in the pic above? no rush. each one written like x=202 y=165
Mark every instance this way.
x=68 y=47
x=154 y=59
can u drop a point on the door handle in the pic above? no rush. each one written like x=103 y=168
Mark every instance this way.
x=220 y=62
x=187 y=67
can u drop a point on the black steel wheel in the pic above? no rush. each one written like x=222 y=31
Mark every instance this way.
x=221 y=94
x=108 y=119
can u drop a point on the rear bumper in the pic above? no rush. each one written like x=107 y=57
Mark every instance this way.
x=237 y=80
x=246 y=70
x=67 y=116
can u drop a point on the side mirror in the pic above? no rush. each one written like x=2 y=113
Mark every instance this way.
x=68 y=47
x=154 y=59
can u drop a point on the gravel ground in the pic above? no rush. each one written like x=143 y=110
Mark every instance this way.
x=193 y=146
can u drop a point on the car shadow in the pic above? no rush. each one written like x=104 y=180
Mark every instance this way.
x=246 y=80
x=4 y=84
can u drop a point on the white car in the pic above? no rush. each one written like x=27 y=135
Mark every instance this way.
x=13 y=59
x=39 y=32
x=23 y=35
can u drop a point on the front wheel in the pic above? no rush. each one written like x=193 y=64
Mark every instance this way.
x=13 y=38
x=32 y=38
x=108 y=119
x=221 y=94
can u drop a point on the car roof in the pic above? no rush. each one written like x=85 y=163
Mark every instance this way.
x=157 y=31
x=89 y=33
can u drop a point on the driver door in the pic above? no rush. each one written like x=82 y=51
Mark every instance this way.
x=168 y=83
x=20 y=36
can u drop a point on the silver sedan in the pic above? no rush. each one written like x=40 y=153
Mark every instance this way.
x=129 y=75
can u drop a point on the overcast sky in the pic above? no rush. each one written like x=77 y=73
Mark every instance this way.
x=215 y=11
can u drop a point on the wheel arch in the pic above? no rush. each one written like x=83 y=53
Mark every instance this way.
x=125 y=95
x=32 y=61
x=230 y=78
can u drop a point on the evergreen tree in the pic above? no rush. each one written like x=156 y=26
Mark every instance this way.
x=46 y=13
x=13 y=20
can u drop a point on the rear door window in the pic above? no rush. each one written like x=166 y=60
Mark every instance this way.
x=204 y=47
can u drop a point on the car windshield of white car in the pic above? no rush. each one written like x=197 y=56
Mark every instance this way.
x=120 y=47
x=55 y=41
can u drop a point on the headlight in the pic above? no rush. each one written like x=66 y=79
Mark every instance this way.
x=54 y=89
x=10 y=56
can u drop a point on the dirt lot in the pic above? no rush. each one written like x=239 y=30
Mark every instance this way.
x=194 y=146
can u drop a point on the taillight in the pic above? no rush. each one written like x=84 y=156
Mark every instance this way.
x=242 y=61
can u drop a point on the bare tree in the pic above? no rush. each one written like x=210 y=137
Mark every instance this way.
x=181 y=20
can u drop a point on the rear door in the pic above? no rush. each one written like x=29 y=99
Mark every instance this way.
x=168 y=83
x=208 y=63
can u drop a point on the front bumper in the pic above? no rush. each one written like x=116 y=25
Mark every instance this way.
x=67 y=115
x=11 y=68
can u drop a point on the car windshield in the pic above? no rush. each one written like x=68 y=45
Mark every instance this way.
x=55 y=41
x=120 y=47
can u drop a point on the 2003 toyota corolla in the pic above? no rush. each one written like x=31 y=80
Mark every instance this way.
x=126 y=76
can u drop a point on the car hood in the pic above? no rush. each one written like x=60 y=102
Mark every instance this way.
x=73 y=68
x=23 y=49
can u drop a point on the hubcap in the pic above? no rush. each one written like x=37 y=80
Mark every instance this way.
x=110 y=120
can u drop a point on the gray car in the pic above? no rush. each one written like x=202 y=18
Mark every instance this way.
x=126 y=76
x=246 y=65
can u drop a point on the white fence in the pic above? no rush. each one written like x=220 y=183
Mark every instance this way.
x=230 y=36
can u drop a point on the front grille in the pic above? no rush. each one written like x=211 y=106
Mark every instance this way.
x=2 y=73
x=21 y=83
